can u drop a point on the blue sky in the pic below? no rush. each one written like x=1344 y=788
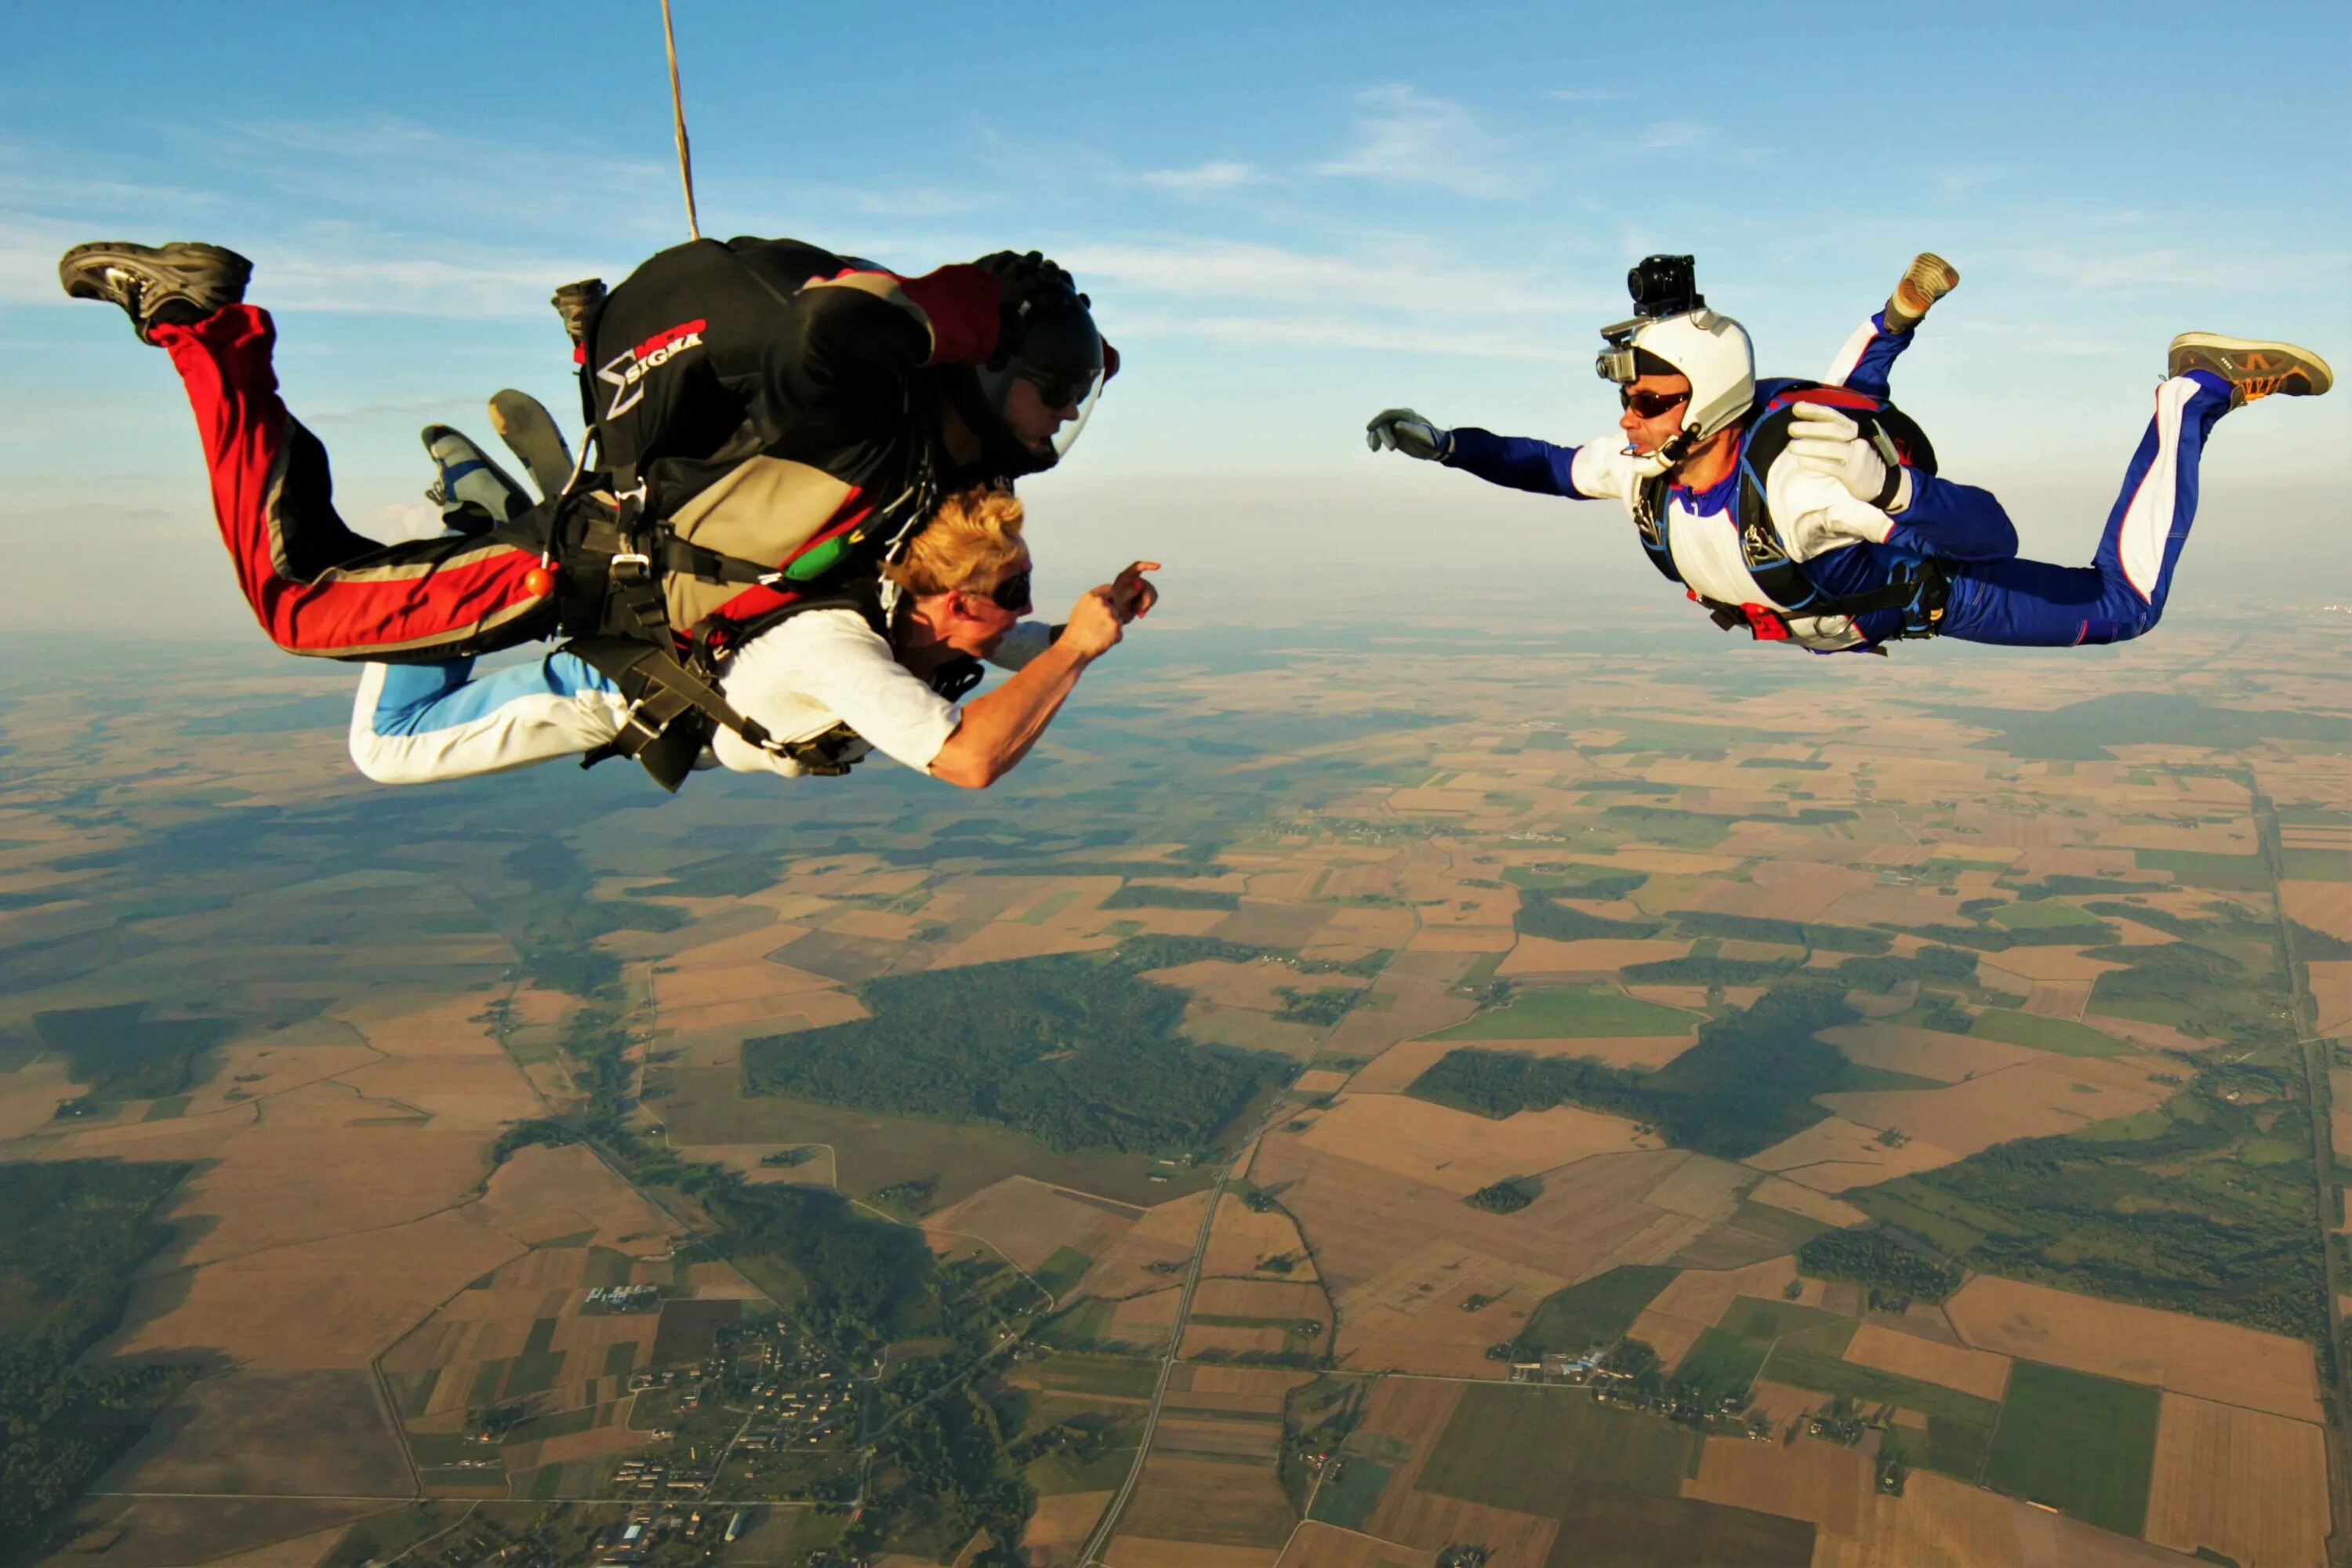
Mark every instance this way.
x=1288 y=216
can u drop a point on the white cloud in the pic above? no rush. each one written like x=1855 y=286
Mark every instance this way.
x=1404 y=278
x=1672 y=135
x=1387 y=336
x=1409 y=138
x=1217 y=175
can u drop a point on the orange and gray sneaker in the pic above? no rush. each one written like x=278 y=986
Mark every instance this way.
x=2253 y=367
x=1930 y=277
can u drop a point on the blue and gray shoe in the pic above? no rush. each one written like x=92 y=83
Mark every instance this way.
x=475 y=494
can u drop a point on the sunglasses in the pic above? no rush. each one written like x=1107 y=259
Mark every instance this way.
x=1650 y=404
x=1011 y=594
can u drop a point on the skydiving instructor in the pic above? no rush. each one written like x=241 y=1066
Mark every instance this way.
x=1810 y=512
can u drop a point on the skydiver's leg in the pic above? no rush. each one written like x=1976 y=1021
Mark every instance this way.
x=1867 y=360
x=315 y=586
x=414 y=724
x=2033 y=604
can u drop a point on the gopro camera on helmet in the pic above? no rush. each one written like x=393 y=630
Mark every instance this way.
x=1663 y=286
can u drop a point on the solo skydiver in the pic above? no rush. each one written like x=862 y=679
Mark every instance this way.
x=777 y=441
x=1811 y=512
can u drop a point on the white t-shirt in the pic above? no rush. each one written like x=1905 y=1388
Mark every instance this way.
x=828 y=666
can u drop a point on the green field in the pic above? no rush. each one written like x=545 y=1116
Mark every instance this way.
x=2063 y=1036
x=1581 y=1013
x=1722 y=1364
x=1755 y=1318
x=2315 y=865
x=1065 y=1269
x=1114 y=1377
x=1959 y=1425
x=1594 y=1313
x=2081 y=1443
x=1349 y=1502
x=2042 y=914
x=1527 y=1449
x=2197 y=869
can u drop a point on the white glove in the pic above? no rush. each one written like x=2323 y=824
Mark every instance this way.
x=1403 y=430
x=1826 y=441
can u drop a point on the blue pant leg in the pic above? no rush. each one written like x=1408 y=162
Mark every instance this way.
x=2121 y=594
x=417 y=723
x=1867 y=360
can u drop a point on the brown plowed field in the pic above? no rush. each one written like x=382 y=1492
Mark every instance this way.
x=1220 y=1339
x=2139 y=1344
x=2033 y=1100
x=1455 y=1149
x=1425 y=1518
x=1822 y=1482
x=1058 y=1529
x=1029 y=1221
x=1210 y=1503
x=1412 y=1317
x=1979 y=1373
x=2322 y=906
x=1328 y=1546
x=1831 y=1156
x=1261 y=1298
x=1143 y=1552
x=2331 y=988
x=1695 y=1299
x=327 y=1304
x=1779 y=1192
x=2251 y=1486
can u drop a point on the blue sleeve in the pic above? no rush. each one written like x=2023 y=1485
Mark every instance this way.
x=1954 y=523
x=1517 y=462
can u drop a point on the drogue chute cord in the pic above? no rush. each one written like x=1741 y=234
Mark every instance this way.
x=677 y=115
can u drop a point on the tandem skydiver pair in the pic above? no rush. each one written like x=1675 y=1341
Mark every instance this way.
x=796 y=540
x=1811 y=513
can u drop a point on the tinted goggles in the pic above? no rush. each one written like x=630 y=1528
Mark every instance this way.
x=1650 y=404
x=1013 y=594
x=1055 y=388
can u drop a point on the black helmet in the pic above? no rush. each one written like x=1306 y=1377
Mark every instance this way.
x=1047 y=338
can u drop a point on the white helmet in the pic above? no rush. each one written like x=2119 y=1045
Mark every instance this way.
x=1711 y=349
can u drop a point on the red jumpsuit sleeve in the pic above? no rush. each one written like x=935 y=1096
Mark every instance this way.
x=959 y=302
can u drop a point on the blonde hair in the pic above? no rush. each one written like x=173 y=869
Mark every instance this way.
x=974 y=535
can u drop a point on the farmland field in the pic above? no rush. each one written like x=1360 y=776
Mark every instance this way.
x=2085 y=1444
x=1594 y=1011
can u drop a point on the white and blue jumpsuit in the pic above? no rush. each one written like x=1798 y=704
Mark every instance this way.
x=1849 y=547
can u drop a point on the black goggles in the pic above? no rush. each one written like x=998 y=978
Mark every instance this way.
x=1013 y=594
x=1650 y=404
x=1058 y=389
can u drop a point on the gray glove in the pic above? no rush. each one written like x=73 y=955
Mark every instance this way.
x=1403 y=430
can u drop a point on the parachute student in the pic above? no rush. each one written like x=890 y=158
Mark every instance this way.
x=790 y=415
x=829 y=680
x=1811 y=512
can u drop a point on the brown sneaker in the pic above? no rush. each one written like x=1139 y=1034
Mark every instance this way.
x=1929 y=278
x=181 y=282
x=574 y=302
x=2253 y=367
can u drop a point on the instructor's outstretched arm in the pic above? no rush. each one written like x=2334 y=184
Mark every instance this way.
x=997 y=730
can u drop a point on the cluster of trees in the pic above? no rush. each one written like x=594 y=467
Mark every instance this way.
x=1697 y=971
x=1322 y=1007
x=1072 y=1051
x=1792 y=933
x=1746 y=1085
x=120 y=1053
x=1152 y=896
x=2175 y=1219
x=76 y=1230
x=1538 y=915
x=1930 y=965
x=1873 y=1257
x=1996 y=938
x=1508 y=1196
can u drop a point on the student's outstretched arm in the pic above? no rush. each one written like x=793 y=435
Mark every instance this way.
x=997 y=730
x=1516 y=462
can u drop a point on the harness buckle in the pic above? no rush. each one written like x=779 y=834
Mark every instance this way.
x=638 y=563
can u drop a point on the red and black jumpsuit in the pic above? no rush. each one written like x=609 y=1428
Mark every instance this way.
x=810 y=412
